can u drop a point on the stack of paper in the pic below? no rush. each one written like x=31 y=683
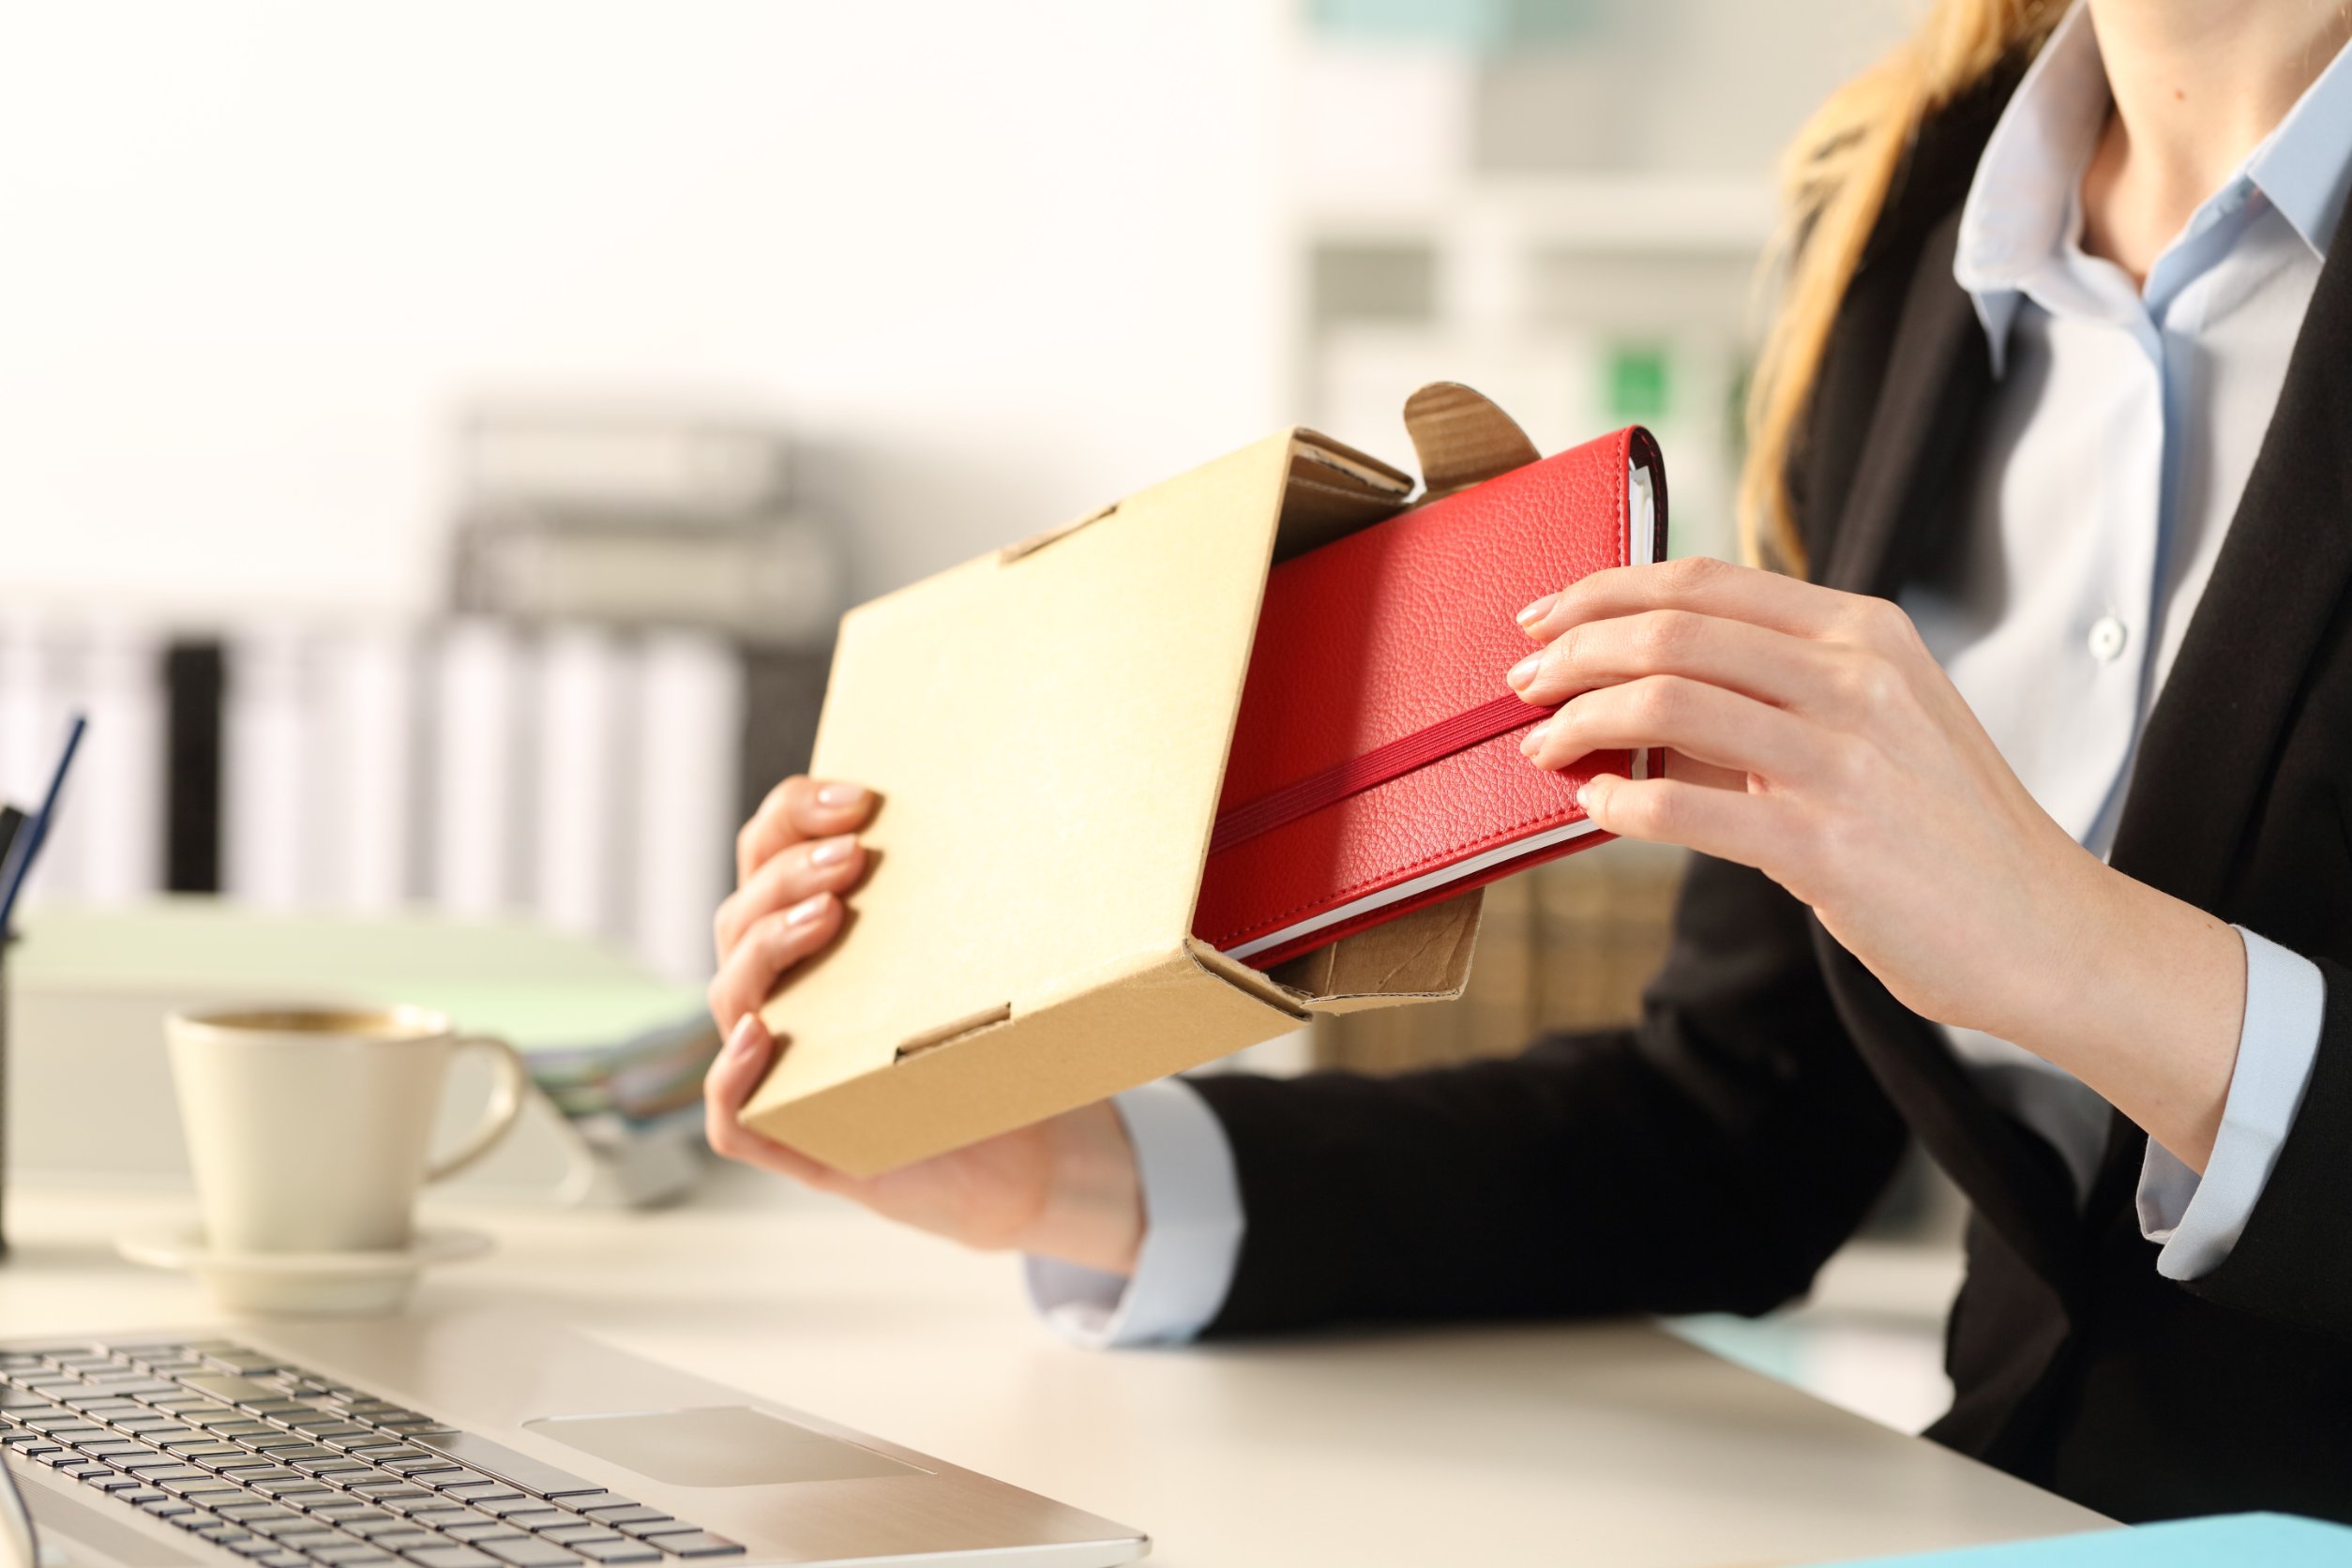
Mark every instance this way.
x=619 y=1090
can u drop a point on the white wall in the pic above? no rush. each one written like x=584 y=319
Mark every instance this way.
x=1010 y=259
x=1004 y=258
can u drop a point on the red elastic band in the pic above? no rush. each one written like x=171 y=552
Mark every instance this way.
x=1370 y=771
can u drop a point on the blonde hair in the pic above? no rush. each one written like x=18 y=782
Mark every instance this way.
x=1835 y=178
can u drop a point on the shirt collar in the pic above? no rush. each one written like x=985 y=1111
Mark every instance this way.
x=2020 y=206
x=2304 y=166
x=2021 y=210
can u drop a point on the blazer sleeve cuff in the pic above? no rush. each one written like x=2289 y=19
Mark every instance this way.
x=2200 y=1219
x=1192 y=1236
x=2293 y=1260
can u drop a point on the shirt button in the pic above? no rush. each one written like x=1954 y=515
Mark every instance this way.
x=2107 y=638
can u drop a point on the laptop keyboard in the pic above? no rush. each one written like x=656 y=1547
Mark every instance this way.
x=288 y=1468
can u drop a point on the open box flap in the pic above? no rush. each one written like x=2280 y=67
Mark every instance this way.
x=1463 y=438
x=1047 y=827
x=1425 y=955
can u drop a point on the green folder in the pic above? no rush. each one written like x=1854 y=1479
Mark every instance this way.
x=599 y=1030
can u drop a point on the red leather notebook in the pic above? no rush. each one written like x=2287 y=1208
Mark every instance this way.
x=1376 y=762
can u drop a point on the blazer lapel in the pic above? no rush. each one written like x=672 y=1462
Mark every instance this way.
x=2205 y=756
x=1937 y=378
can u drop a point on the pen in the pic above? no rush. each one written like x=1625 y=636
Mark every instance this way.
x=26 y=844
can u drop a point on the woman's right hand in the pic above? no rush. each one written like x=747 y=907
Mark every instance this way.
x=1065 y=1188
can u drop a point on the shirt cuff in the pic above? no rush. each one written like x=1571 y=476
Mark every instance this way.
x=2199 y=1220
x=1192 y=1232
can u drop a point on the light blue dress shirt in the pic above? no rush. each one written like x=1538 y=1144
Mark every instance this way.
x=2114 y=449
x=2117 y=441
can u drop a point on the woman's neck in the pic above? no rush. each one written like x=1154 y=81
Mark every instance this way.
x=2196 y=84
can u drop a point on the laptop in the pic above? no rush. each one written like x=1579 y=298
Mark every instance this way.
x=473 y=1441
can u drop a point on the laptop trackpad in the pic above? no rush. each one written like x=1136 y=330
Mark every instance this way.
x=727 y=1445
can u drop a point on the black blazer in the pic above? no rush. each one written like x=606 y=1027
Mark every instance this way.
x=1713 y=1156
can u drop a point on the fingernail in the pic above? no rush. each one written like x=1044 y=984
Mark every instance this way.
x=1534 y=740
x=1536 y=612
x=807 y=909
x=1524 y=671
x=739 y=1038
x=836 y=796
x=832 y=852
x=1584 y=797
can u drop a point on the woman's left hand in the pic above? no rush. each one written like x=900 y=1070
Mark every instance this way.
x=1819 y=743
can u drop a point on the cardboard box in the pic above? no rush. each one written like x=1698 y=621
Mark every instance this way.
x=1047 y=727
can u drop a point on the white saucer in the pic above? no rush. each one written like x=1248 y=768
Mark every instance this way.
x=336 y=1282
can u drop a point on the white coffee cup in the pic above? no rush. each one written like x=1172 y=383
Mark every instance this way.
x=309 y=1127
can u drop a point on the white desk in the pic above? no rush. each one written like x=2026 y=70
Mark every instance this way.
x=1610 y=1445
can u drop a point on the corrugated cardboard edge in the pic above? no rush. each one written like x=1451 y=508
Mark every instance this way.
x=1462 y=438
x=1422 y=956
x=1358 y=464
x=1166 y=1015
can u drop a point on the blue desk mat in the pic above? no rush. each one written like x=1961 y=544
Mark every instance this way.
x=2253 y=1540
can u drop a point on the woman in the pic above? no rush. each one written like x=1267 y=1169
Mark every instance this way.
x=2048 y=444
